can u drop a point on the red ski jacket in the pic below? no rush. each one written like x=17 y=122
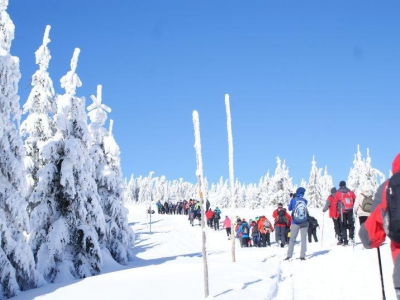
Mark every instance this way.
x=372 y=231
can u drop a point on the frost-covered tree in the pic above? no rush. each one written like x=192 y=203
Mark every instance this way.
x=72 y=221
x=280 y=185
x=38 y=126
x=313 y=191
x=326 y=184
x=105 y=153
x=362 y=175
x=253 y=198
x=264 y=186
x=220 y=193
x=160 y=189
x=17 y=265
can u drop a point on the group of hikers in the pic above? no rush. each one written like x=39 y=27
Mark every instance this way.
x=378 y=214
x=257 y=232
x=169 y=208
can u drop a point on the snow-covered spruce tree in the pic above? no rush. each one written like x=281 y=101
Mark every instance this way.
x=326 y=184
x=313 y=190
x=130 y=190
x=17 y=265
x=145 y=186
x=38 y=126
x=73 y=221
x=253 y=198
x=160 y=189
x=105 y=153
x=280 y=185
x=220 y=193
x=264 y=188
x=363 y=175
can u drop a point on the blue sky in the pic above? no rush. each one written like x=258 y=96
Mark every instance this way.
x=304 y=77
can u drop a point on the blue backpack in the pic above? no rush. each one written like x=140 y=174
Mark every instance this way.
x=300 y=212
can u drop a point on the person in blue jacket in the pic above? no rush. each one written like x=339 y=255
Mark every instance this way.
x=298 y=207
x=244 y=229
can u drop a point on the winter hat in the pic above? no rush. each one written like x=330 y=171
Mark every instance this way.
x=396 y=164
x=243 y=220
x=333 y=190
x=300 y=191
x=342 y=183
x=280 y=205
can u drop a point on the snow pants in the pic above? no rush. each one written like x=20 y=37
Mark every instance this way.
x=280 y=234
x=303 y=228
x=347 y=223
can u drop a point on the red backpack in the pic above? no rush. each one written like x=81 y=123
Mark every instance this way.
x=346 y=202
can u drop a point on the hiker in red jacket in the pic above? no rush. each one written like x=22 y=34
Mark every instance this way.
x=282 y=221
x=333 y=214
x=210 y=218
x=343 y=202
x=373 y=231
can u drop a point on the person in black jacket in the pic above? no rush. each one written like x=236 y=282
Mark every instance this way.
x=312 y=229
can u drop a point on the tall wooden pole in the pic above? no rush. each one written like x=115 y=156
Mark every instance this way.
x=231 y=177
x=199 y=174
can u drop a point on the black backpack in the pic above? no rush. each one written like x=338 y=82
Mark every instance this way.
x=393 y=207
x=245 y=229
x=281 y=217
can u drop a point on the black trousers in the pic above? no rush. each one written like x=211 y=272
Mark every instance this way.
x=312 y=232
x=347 y=223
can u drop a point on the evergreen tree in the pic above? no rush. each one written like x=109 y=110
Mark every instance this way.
x=362 y=175
x=313 y=191
x=73 y=221
x=326 y=184
x=119 y=237
x=17 y=265
x=264 y=186
x=280 y=185
x=38 y=125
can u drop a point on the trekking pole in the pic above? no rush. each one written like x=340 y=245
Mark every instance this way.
x=323 y=223
x=380 y=270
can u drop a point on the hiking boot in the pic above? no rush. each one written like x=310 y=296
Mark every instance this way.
x=346 y=243
x=282 y=245
x=287 y=258
x=340 y=243
x=302 y=258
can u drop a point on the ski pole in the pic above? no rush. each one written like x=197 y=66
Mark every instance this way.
x=380 y=270
x=323 y=223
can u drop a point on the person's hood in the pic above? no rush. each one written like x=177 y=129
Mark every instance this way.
x=396 y=164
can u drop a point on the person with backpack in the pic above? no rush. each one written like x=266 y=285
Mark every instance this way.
x=217 y=217
x=333 y=214
x=312 y=228
x=298 y=207
x=344 y=204
x=384 y=220
x=210 y=218
x=281 y=221
x=363 y=205
x=244 y=233
x=265 y=227
x=255 y=234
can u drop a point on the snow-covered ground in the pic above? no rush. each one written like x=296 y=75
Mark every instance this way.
x=169 y=265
